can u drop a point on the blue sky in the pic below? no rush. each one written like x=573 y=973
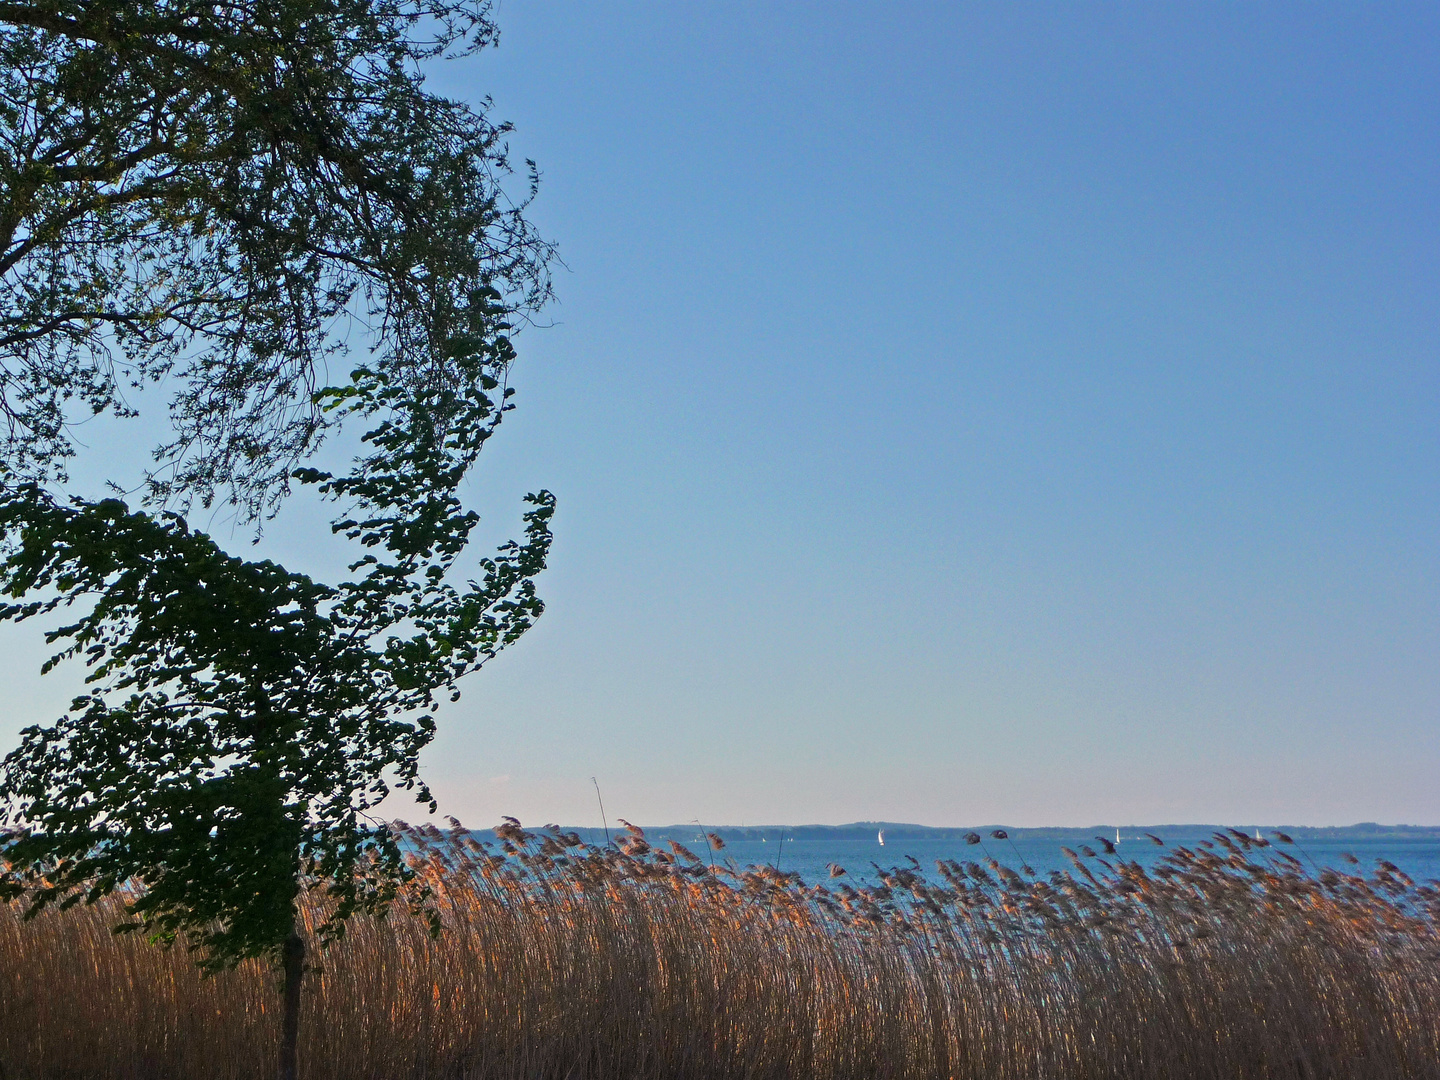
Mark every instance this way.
x=963 y=414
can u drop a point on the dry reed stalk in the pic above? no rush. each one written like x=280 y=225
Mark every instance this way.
x=560 y=960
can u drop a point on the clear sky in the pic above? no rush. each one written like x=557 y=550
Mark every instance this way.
x=966 y=414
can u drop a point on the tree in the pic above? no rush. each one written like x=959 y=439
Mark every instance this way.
x=190 y=191
x=239 y=721
x=228 y=198
x=225 y=196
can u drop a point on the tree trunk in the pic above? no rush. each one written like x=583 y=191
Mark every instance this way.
x=294 y=955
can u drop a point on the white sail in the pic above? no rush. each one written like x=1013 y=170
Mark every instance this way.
x=881 y=837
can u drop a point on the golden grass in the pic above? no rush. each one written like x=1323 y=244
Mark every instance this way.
x=564 y=961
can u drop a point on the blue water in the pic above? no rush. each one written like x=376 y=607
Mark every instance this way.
x=1417 y=856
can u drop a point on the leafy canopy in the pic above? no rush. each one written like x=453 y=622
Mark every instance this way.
x=224 y=196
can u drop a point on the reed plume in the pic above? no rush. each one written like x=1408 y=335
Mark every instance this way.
x=561 y=960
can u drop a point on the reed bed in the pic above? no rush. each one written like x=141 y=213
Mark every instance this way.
x=1231 y=959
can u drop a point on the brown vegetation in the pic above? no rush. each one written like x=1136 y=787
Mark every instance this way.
x=559 y=960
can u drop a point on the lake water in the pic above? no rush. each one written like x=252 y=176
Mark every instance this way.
x=811 y=858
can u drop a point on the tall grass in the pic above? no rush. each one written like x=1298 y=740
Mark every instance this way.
x=561 y=960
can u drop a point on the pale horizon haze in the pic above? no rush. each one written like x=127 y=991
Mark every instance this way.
x=962 y=414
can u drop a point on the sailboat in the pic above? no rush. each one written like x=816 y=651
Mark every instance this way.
x=1117 y=835
x=881 y=837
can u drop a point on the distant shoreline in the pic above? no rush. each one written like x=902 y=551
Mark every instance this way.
x=895 y=830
